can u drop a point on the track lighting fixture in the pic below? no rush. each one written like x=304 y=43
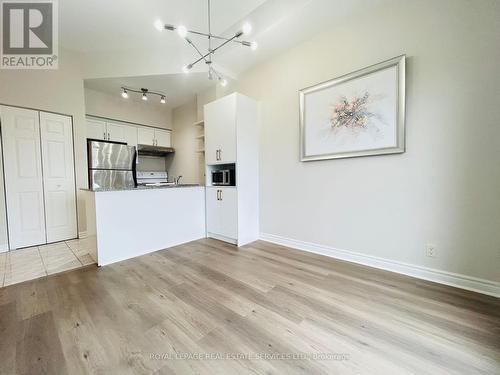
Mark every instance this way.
x=183 y=32
x=145 y=93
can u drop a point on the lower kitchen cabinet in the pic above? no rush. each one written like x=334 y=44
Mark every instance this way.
x=222 y=213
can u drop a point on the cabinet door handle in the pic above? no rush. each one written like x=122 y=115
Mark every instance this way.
x=220 y=154
x=109 y=138
x=104 y=135
x=220 y=194
x=216 y=154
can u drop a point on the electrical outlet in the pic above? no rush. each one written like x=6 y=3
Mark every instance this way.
x=430 y=250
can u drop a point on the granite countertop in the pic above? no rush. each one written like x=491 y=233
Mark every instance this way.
x=144 y=188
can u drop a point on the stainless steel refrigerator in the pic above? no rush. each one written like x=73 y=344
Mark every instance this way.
x=111 y=165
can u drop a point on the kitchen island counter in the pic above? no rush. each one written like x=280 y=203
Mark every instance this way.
x=131 y=222
x=142 y=187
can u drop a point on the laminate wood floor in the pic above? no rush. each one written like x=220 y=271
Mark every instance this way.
x=209 y=308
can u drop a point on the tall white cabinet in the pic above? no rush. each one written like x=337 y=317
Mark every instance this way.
x=39 y=176
x=231 y=141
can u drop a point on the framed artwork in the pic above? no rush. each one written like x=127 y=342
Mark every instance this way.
x=359 y=114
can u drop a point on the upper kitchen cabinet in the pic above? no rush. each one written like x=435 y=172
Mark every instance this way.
x=111 y=131
x=154 y=137
x=146 y=136
x=130 y=134
x=122 y=133
x=96 y=129
x=220 y=130
x=163 y=138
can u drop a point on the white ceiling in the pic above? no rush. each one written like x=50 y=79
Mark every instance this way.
x=177 y=87
x=116 y=38
x=111 y=25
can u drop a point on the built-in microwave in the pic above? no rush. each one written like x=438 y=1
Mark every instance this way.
x=223 y=177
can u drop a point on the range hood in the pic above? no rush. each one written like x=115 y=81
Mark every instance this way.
x=148 y=150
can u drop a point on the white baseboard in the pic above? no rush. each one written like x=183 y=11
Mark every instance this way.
x=222 y=238
x=4 y=248
x=474 y=284
x=82 y=234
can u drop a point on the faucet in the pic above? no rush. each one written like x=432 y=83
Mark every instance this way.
x=177 y=180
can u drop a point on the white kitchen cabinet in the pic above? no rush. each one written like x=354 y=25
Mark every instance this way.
x=154 y=137
x=127 y=133
x=231 y=137
x=163 y=138
x=96 y=129
x=222 y=214
x=146 y=136
x=220 y=130
x=122 y=133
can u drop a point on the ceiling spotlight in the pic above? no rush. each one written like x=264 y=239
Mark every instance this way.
x=246 y=28
x=144 y=97
x=162 y=100
x=182 y=31
x=187 y=68
x=223 y=82
x=253 y=46
x=160 y=26
x=124 y=94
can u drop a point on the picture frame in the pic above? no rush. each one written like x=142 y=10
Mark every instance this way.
x=358 y=114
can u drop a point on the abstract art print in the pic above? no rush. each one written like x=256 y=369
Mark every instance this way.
x=359 y=114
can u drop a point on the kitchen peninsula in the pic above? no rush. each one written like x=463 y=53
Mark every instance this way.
x=127 y=223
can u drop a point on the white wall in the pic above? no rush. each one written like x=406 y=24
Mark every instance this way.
x=186 y=162
x=58 y=91
x=444 y=190
x=115 y=107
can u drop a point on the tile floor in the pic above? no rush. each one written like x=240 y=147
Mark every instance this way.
x=31 y=263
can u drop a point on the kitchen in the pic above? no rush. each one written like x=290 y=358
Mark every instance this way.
x=124 y=198
x=143 y=193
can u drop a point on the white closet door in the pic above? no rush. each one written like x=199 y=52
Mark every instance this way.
x=23 y=176
x=58 y=176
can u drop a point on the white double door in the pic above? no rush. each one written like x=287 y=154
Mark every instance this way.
x=39 y=176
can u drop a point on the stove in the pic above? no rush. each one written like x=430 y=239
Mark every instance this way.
x=145 y=178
